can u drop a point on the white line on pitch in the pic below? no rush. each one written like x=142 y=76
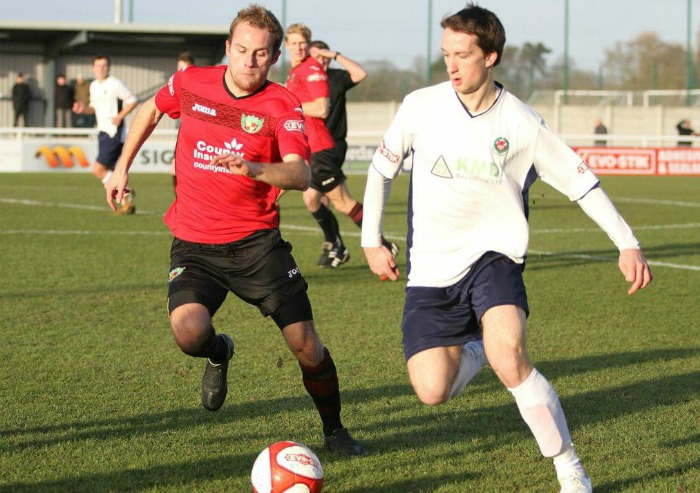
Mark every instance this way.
x=599 y=258
x=677 y=203
x=635 y=228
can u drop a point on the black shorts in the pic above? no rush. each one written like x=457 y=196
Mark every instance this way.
x=441 y=317
x=259 y=269
x=325 y=171
x=341 y=150
x=110 y=148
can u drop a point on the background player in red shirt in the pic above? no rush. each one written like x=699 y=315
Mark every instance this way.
x=241 y=142
x=308 y=80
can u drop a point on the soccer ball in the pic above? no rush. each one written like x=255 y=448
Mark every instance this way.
x=287 y=467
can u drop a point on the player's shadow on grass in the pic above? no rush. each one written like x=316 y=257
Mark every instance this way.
x=462 y=419
x=569 y=259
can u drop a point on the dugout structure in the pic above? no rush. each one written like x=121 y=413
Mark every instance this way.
x=143 y=56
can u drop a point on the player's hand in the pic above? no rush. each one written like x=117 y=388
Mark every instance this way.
x=115 y=189
x=237 y=165
x=325 y=53
x=635 y=269
x=382 y=262
x=78 y=107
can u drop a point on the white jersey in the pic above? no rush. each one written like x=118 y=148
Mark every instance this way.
x=107 y=98
x=469 y=180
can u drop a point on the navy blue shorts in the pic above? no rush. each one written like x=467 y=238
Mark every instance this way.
x=110 y=148
x=441 y=317
x=325 y=171
x=259 y=269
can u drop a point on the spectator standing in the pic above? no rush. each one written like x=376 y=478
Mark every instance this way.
x=81 y=93
x=21 y=96
x=684 y=129
x=110 y=101
x=600 y=129
x=64 y=97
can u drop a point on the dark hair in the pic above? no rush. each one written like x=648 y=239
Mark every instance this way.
x=320 y=44
x=102 y=57
x=186 y=57
x=482 y=23
x=258 y=16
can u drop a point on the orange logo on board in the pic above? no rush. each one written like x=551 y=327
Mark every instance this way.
x=61 y=155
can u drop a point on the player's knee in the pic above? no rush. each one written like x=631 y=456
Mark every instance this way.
x=189 y=333
x=431 y=394
x=512 y=371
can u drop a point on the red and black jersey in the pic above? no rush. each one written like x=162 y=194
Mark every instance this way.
x=308 y=81
x=213 y=205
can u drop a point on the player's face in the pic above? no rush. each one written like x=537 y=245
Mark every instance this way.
x=468 y=67
x=298 y=48
x=100 y=69
x=250 y=57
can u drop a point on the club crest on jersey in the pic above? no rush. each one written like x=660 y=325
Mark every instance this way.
x=251 y=123
x=174 y=273
x=501 y=145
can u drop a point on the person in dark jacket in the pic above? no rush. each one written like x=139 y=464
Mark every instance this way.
x=20 y=100
x=64 y=96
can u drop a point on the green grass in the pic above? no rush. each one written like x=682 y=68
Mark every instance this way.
x=95 y=397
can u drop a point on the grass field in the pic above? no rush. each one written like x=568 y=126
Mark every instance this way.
x=95 y=397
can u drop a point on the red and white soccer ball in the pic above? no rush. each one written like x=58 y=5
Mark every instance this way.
x=287 y=467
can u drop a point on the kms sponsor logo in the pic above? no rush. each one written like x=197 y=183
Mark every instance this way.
x=58 y=156
x=465 y=168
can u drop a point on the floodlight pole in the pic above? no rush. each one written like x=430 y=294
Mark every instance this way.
x=428 y=58
x=283 y=66
x=566 y=51
x=688 y=58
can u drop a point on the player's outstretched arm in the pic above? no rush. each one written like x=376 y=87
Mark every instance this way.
x=145 y=121
x=635 y=269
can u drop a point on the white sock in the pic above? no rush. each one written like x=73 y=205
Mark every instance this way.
x=471 y=361
x=107 y=176
x=540 y=408
x=567 y=462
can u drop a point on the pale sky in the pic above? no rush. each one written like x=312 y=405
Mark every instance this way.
x=397 y=30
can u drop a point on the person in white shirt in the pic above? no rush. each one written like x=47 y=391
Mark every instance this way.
x=475 y=150
x=110 y=101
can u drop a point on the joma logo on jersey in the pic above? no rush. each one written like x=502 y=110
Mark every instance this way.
x=204 y=109
x=61 y=155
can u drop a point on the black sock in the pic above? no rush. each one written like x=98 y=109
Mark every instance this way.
x=213 y=348
x=321 y=382
x=329 y=224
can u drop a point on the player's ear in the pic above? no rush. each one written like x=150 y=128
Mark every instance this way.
x=491 y=59
x=276 y=56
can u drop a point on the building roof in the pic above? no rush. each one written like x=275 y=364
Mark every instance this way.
x=55 y=38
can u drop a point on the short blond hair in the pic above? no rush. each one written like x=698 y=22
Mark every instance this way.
x=299 y=28
x=258 y=16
